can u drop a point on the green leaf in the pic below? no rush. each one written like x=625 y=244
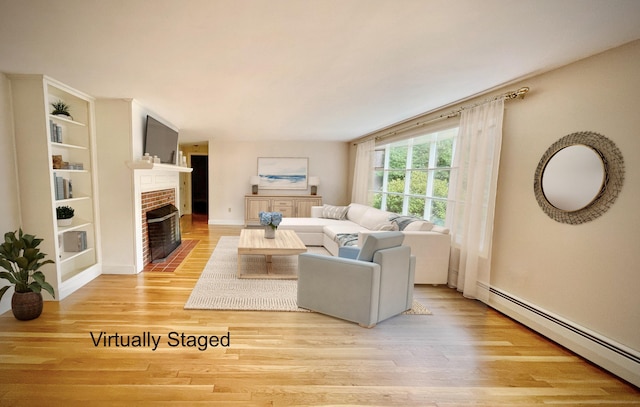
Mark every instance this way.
x=6 y=265
x=39 y=277
x=8 y=276
x=48 y=288
x=22 y=262
x=3 y=290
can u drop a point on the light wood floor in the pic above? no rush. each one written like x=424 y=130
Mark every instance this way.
x=465 y=354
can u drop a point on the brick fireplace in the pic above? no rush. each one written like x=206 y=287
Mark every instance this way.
x=155 y=185
x=153 y=200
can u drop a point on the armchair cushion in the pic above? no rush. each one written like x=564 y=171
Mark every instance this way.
x=379 y=241
x=349 y=252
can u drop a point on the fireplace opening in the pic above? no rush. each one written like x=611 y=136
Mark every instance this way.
x=163 y=225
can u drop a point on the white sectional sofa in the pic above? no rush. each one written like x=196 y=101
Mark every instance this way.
x=329 y=225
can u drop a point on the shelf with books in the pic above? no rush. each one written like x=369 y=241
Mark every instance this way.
x=57 y=154
x=64 y=131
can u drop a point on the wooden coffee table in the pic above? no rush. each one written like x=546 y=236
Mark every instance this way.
x=252 y=241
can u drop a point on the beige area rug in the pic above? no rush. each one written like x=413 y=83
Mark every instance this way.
x=218 y=288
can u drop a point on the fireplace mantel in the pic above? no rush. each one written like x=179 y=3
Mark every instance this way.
x=144 y=165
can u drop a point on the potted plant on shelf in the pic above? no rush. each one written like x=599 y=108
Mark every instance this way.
x=64 y=214
x=61 y=109
x=20 y=256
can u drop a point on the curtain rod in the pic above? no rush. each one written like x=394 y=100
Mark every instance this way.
x=520 y=93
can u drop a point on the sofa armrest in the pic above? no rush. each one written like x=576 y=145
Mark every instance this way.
x=432 y=251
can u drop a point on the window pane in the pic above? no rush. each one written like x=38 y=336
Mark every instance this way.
x=394 y=203
x=418 y=183
x=376 y=182
x=441 y=183
x=438 y=212
x=444 y=150
x=378 y=158
x=416 y=207
x=377 y=200
x=398 y=157
x=420 y=158
x=396 y=181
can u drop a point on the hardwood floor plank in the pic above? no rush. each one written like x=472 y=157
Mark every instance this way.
x=465 y=354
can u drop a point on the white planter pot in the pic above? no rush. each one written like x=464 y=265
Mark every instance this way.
x=65 y=222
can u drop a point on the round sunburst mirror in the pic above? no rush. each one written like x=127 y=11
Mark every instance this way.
x=579 y=177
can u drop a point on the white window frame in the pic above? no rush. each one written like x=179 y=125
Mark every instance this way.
x=431 y=171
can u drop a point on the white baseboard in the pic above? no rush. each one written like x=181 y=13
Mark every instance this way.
x=617 y=358
x=124 y=269
x=75 y=282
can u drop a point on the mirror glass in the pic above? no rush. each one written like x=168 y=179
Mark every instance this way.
x=573 y=177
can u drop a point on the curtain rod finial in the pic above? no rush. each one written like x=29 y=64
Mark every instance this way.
x=522 y=91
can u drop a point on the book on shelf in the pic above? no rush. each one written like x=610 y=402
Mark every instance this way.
x=56 y=132
x=74 y=241
x=63 y=187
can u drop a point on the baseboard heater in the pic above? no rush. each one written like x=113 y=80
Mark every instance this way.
x=163 y=225
x=615 y=357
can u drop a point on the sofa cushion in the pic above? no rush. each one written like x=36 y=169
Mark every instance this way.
x=334 y=212
x=331 y=231
x=374 y=218
x=356 y=212
x=308 y=225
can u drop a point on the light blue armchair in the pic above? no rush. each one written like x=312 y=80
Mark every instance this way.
x=375 y=284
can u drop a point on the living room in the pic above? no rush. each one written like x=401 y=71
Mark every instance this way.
x=574 y=284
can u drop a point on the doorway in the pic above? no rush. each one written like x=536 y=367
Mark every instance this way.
x=200 y=184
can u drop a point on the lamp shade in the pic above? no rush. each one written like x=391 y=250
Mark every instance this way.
x=314 y=181
x=254 y=180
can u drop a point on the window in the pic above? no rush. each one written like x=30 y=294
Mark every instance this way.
x=411 y=177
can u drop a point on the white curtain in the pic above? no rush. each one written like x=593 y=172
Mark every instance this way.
x=362 y=172
x=474 y=181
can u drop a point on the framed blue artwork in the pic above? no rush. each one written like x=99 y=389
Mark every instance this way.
x=283 y=172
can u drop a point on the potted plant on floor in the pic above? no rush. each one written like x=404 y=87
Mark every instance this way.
x=64 y=215
x=22 y=259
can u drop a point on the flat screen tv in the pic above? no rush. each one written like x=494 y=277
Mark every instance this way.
x=162 y=141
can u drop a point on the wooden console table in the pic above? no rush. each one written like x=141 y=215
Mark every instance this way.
x=291 y=206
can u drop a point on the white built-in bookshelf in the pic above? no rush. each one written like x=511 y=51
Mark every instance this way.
x=56 y=167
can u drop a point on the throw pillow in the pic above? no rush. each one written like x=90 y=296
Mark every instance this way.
x=334 y=212
x=403 y=221
x=419 y=226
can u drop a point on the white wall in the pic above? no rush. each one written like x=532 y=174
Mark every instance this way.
x=231 y=164
x=115 y=184
x=120 y=129
x=10 y=203
x=588 y=274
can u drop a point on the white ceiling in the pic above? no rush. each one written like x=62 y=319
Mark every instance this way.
x=301 y=69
